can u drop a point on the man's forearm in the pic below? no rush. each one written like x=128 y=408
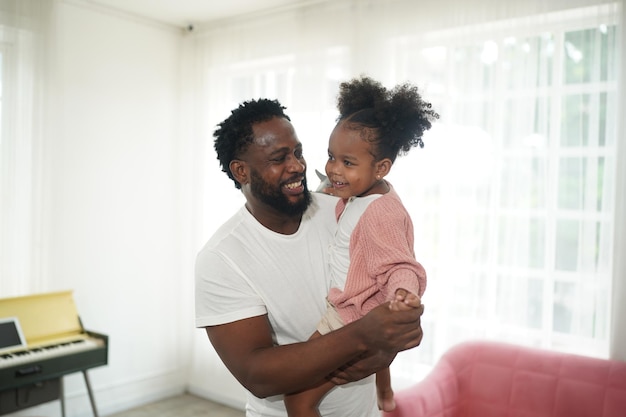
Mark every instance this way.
x=247 y=350
x=348 y=354
x=283 y=369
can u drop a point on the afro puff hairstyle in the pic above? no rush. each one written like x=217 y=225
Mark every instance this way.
x=394 y=121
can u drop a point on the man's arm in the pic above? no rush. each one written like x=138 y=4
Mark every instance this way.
x=247 y=350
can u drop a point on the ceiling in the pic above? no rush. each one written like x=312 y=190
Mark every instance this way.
x=183 y=13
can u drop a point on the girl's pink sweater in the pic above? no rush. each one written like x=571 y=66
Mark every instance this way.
x=382 y=259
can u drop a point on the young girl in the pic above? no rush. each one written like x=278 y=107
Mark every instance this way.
x=372 y=260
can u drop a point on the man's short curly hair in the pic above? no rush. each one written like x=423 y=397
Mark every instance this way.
x=234 y=134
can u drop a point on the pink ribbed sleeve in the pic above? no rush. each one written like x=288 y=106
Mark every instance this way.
x=382 y=259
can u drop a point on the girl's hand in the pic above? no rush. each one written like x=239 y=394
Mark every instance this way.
x=405 y=300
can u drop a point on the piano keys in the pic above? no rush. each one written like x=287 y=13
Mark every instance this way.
x=22 y=356
x=56 y=345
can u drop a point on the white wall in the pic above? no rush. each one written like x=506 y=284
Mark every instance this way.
x=114 y=225
x=210 y=379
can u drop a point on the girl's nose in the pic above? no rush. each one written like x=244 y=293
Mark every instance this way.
x=331 y=167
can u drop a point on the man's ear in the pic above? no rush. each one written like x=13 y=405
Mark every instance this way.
x=239 y=169
x=383 y=167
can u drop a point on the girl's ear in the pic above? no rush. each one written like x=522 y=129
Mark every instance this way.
x=239 y=169
x=383 y=167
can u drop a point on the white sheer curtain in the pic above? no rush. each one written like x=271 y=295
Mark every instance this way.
x=618 y=336
x=22 y=50
x=513 y=195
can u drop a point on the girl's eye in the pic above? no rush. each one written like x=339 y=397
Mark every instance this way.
x=347 y=163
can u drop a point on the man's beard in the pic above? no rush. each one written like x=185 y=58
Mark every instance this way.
x=274 y=198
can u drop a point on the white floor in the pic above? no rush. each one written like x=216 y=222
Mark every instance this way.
x=182 y=406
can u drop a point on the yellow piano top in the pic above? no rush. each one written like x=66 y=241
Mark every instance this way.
x=44 y=317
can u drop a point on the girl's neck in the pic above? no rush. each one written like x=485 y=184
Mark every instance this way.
x=379 y=187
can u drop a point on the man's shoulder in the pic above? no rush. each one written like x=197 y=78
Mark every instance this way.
x=322 y=207
x=325 y=199
x=226 y=231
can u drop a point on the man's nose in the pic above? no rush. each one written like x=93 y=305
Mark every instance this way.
x=296 y=164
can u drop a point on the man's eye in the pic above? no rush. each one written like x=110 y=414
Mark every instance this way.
x=298 y=154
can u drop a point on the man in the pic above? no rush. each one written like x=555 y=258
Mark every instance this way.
x=261 y=282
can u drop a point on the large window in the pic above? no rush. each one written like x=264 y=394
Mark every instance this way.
x=513 y=196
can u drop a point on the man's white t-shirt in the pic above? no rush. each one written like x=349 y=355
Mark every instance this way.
x=246 y=270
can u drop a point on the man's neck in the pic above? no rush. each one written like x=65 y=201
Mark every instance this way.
x=276 y=222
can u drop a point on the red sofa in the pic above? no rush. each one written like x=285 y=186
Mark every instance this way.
x=488 y=379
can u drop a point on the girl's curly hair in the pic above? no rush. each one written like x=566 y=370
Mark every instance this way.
x=234 y=134
x=392 y=120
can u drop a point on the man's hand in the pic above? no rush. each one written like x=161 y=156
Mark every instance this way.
x=385 y=332
x=391 y=331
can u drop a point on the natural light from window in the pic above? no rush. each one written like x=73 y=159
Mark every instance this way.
x=512 y=196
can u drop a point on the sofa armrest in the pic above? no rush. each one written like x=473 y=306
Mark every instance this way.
x=490 y=379
x=437 y=395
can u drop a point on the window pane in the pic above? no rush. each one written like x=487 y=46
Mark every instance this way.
x=581 y=183
x=589 y=55
x=526 y=122
x=521 y=242
x=522 y=182
x=566 y=250
x=575 y=120
x=473 y=67
x=462 y=302
x=579 y=309
x=570 y=185
x=578 y=56
x=472 y=112
x=476 y=227
x=603 y=103
x=519 y=301
x=584 y=119
x=578 y=247
x=608 y=41
x=602 y=171
x=563 y=306
x=528 y=62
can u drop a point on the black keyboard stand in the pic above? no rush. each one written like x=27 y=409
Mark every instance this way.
x=13 y=400
x=92 y=399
